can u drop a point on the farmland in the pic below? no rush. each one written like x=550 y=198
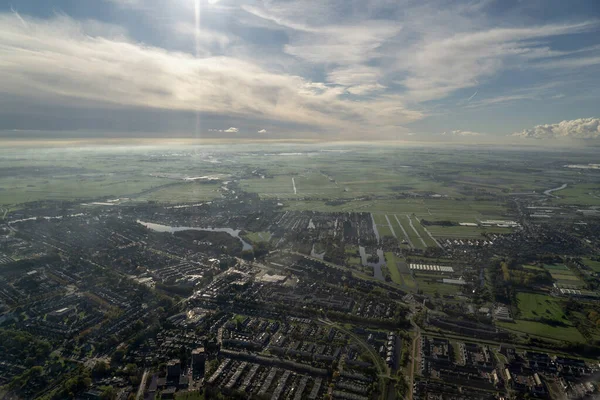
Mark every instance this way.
x=535 y=306
x=558 y=333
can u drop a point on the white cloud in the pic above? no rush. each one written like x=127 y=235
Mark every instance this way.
x=77 y=64
x=262 y=131
x=460 y=133
x=231 y=130
x=582 y=128
x=438 y=66
x=460 y=52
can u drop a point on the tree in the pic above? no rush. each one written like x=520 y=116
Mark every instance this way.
x=108 y=393
x=100 y=369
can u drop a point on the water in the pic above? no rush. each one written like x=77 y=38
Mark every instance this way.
x=376 y=266
x=171 y=229
x=48 y=218
x=314 y=254
x=549 y=191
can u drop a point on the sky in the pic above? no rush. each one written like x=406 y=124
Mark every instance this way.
x=436 y=70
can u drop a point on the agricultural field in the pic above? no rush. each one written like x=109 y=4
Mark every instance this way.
x=429 y=242
x=535 y=306
x=563 y=276
x=182 y=193
x=580 y=194
x=430 y=287
x=256 y=237
x=593 y=265
x=71 y=187
x=390 y=260
x=560 y=333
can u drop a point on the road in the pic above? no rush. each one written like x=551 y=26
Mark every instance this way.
x=382 y=371
x=140 y=392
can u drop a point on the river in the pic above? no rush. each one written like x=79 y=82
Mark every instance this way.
x=171 y=229
x=549 y=191
x=47 y=218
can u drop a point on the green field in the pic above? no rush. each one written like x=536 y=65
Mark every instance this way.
x=440 y=288
x=567 y=333
x=581 y=194
x=256 y=237
x=556 y=267
x=384 y=230
x=593 y=265
x=533 y=267
x=533 y=305
x=390 y=259
x=188 y=192
x=412 y=235
x=428 y=241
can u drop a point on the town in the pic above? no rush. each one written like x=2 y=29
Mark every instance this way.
x=252 y=293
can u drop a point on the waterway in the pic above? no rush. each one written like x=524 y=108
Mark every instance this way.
x=549 y=191
x=171 y=229
x=314 y=254
x=47 y=218
x=376 y=266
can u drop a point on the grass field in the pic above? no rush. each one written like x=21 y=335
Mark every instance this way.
x=256 y=237
x=384 y=230
x=390 y=260
x=182 y=193
x=533 y=305
x=16 y=191
x=594 y=265
x=555 y=267
x=428 y=241
x=455 y=231
x=533 y=267
x=431 y=288
x=582 y=194
x=567 y=333
x=565 y=277
x=463 y=211
x=412 y=235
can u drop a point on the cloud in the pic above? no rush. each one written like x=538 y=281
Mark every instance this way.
x=262 y=131
x=582 y=128
x=436 y=67
x=107 y=69
x=231 y=130
x=430 y=64
x=461 y=133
